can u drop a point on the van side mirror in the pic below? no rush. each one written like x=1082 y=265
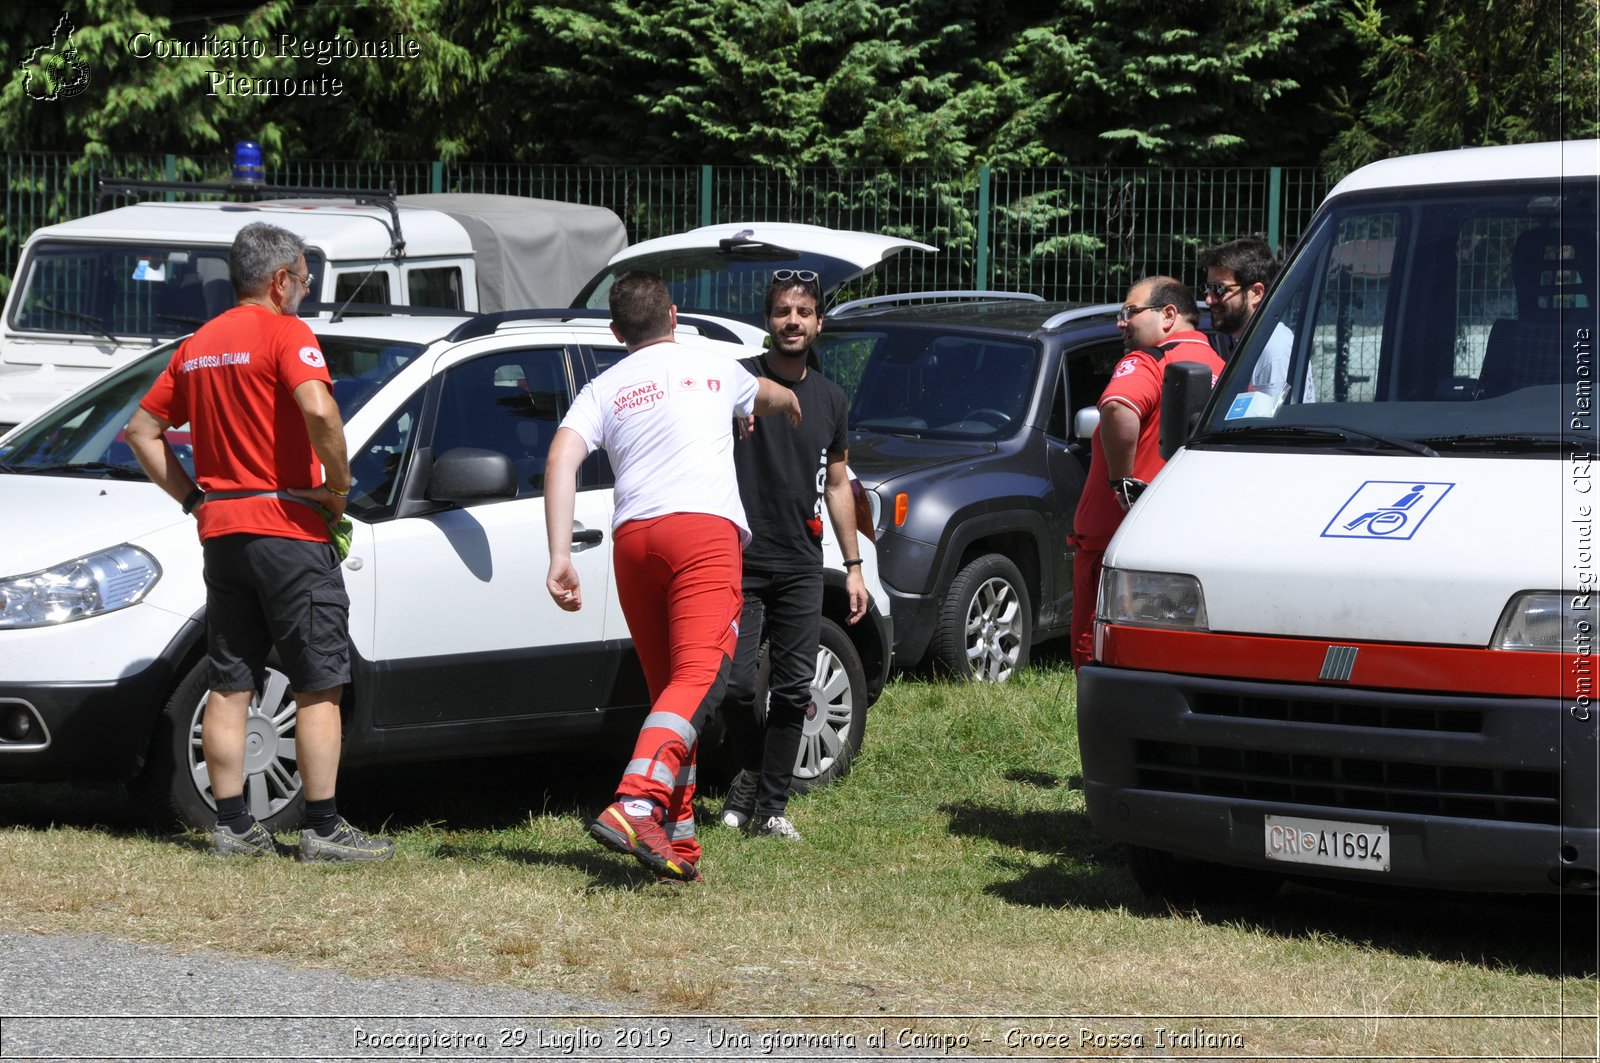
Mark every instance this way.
x=1085 y=422
x=1185 y=387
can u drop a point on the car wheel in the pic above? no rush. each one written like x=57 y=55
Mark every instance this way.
x=986 y=622
x=1185 y=883
x=833 y=736
x=175 y=786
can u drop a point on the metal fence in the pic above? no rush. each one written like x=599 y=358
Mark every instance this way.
x=1063 y=233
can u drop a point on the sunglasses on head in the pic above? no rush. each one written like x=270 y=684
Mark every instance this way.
x=804 y=276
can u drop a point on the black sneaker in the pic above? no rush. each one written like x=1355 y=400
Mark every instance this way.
x=346 y=844
x=775 y=827
x=254 y=842
x=740 y=803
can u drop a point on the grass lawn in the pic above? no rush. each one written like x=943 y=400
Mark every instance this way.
x=952 y=877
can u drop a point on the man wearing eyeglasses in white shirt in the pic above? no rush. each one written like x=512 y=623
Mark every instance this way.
x=1238 y=274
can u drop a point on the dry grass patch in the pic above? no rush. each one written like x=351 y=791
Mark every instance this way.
x=954 y=872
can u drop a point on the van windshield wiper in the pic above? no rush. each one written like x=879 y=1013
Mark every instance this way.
x=1508 y=442
x=1313 y=433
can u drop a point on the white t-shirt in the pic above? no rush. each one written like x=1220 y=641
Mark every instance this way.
x=665 y=415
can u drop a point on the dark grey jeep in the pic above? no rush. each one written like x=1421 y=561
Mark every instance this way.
x=961 y=418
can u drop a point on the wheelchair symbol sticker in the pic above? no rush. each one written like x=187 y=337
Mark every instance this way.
x=1386 y=509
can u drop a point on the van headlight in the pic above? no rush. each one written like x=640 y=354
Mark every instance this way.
x=1151 y=599
x=87 y=586
x=1543 y=620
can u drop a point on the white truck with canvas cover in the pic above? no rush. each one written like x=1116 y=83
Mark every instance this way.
x=1349 y=632
x=91 y=293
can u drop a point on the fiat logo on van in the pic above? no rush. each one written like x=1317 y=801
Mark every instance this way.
x=1386 y=509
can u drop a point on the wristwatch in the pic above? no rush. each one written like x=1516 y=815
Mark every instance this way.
x=193 y=499
x=849 y=561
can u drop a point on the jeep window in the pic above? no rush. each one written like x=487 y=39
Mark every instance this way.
x=1461 y=318
x=1088 y=372
x=938 y=385
x=101 y=291
x=509 y=401
x=359 y=286
x=436 y=286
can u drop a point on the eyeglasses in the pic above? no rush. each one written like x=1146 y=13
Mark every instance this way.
x=1127 y=313
x=1218 y=291
x=304 y=281
x=804 y=276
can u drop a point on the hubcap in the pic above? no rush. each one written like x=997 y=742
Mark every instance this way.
x=826 y=730
x=271 y=777
x=994 y=631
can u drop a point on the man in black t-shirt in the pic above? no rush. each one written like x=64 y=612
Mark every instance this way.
x=788 y=476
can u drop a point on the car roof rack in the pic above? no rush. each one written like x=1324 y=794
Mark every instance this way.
x=488 y=324
x=252 y=191
x=950 y=296
x=1078 y=313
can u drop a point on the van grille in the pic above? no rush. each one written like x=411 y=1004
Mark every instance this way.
x=1454 y=791
x=1337 y=713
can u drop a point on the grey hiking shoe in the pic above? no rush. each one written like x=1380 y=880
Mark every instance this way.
x=740 y=802
x=254 y=842
x=775 y=827
x=345 y=845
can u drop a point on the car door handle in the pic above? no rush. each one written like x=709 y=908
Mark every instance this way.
x=587 y=536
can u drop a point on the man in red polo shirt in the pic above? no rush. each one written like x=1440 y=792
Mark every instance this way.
x=1159 y=323
x=271 y=466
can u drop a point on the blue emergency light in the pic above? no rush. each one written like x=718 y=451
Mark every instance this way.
x=247 y=163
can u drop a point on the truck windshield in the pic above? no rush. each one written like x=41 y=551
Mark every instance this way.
x=124 y=290
x=84 y=436
x=1459 y=320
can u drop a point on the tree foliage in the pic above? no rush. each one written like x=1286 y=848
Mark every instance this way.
x=789 y=83
x=1446 y=73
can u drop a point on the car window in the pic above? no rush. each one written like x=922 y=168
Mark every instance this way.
x=377 y=468
x=509 y=401
x=436 y=286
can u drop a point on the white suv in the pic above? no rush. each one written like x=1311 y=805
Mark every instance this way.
x=457 y=649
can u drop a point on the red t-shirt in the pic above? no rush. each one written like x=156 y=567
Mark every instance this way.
x=233 y=381
x=1135 y=382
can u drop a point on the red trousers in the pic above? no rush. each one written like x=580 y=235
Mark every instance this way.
x=678 y=583
x=1086 y=565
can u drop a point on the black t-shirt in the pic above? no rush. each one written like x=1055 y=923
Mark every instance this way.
x=782 y=471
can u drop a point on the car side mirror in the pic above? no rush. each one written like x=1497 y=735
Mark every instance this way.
x=1185 y=387
x=1085 y=422
x=471 y=474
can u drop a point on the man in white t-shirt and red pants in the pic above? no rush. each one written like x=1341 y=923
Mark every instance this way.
x=663 y=415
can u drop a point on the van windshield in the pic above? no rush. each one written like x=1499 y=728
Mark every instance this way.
x=116 y=290
x=84 y=436
x=1459 y=319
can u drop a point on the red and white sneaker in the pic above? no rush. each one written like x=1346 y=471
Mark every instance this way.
x=642 y=838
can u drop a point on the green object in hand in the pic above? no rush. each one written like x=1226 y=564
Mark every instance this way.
x=341 y=531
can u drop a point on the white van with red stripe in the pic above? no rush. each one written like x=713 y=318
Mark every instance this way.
x=1350 y=631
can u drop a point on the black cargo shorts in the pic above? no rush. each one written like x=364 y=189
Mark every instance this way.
x=263 y=591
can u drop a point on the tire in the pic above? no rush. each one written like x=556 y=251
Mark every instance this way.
x=832 y=738
x=985 y=623
x=1185 y=883
x=174 y=787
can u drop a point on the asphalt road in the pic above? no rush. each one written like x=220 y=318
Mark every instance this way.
x=84 y=997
